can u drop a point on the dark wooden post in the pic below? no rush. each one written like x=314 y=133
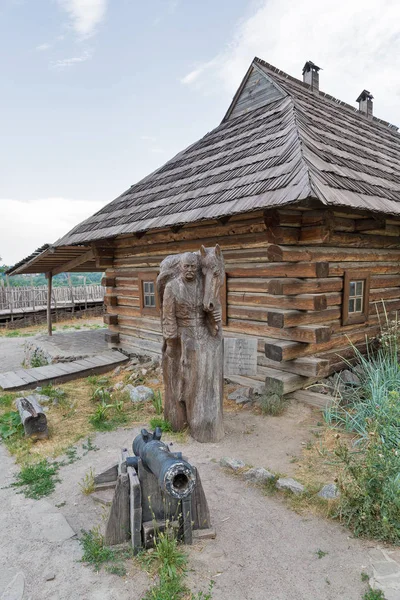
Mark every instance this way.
x=49 y=277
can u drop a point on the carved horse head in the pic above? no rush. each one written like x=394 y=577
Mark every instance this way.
x=212 y=266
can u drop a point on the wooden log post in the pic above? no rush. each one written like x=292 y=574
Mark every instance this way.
x=49 y=277
x=32 y=417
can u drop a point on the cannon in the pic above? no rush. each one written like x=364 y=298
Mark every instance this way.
x=154 y=489
x=176 y=476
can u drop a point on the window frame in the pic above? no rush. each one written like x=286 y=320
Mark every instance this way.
x=144 y=277
x=351 y=318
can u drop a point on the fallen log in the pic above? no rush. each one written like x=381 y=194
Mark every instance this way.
x=33 y=417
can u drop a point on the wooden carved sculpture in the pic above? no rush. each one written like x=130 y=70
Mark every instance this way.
x=189 y=290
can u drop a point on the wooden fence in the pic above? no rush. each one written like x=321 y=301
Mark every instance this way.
x=14 y=300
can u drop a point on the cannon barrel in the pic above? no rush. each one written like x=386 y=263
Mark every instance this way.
x=175 y=476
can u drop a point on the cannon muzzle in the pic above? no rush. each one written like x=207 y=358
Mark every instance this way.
x=175 y=476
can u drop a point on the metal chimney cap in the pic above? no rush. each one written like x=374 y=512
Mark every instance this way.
x=310 y=66
x=365 y=95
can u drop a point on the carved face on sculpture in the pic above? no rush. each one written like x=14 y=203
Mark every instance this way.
x=189 y=266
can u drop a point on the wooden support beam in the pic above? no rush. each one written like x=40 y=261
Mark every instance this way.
x=309 y=366
x=282 y=254
x=310 y=334
x=75 y=262
x=49 y=277
x=111 y=337
x=111 y=300
x=108 y=281
x=281 y=382
x=110 y=319
x=292 y=318
x=291 y=287
x=299 y=302
x=370 y=224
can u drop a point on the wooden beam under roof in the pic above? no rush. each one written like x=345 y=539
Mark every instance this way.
x=75 y=262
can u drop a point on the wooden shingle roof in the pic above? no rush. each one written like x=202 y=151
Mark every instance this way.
x=279 y=143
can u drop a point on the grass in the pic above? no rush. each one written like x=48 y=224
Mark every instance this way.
x=374 y=595
x=6 y=400
x=369 y=478
x=170 y=564
x=87 y=484
x=157 y=402
x=97 y=554
x=37 y=480
x=164 y=425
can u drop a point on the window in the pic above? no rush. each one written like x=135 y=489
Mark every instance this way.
x=148 y=293
x=355 y=298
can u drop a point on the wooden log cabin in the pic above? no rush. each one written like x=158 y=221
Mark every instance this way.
x=302 y=193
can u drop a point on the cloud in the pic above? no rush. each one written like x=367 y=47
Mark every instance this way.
x=356 y=43
x=85 y=15
x=43 y=47
x=25 y=226
x=66 y=63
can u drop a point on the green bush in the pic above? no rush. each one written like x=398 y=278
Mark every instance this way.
x=370 y=477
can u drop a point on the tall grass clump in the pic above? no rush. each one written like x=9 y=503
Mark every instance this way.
x=369 y=479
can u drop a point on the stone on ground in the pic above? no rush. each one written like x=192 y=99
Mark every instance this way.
x=47 y=523
x=140 y=393
x=15 y=589
x=242 y=395
x=287 y=483
x=258 y=475
x=329 y=492
x=232 y=463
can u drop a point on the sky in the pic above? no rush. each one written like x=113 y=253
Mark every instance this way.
x=96 y=94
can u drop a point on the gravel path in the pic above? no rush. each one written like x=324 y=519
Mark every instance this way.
x=263 y=550
x=11 y=353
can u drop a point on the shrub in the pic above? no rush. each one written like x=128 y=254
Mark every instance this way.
x=370 y=479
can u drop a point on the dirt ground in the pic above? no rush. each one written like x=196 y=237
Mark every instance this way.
x=263 y=550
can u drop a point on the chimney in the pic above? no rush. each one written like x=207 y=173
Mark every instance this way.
x=311 y=76
x=365 y=103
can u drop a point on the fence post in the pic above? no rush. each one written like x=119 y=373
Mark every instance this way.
x=11 y=298
x=49 y=277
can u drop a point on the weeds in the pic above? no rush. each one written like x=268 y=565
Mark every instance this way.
x=164 y=425
x=37 y=480
x=10 y=424
x=95 y=553
x=157 y=403
x=272 y=404
x=38 y=360
x=374 y=595
x=88 y=446
x=87 y=485
x=170 y=563
x=55 y=393
x=321 y=553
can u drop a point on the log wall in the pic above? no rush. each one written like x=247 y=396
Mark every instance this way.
x=285 y=271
